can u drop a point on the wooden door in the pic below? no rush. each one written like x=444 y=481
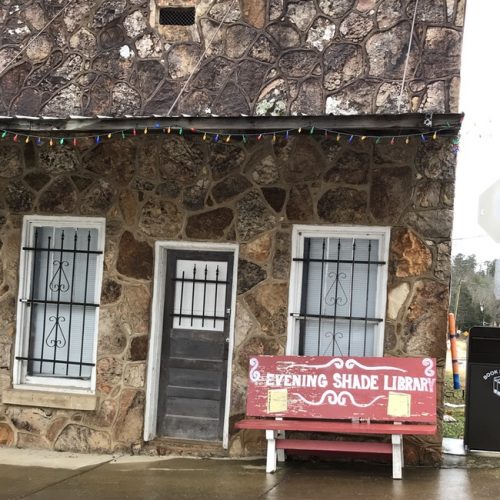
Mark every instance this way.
x=195 y=344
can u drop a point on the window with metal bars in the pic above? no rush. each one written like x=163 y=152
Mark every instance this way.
x=177 y=16
x=200 y=295
x=340 y=301
x=61 y=269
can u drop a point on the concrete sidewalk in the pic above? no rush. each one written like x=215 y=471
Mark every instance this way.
x=47 y=475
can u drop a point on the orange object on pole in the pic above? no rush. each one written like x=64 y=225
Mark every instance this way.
x=452 y=332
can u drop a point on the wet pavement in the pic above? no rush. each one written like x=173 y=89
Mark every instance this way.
x=70 y=476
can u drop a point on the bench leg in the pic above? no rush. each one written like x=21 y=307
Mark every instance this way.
x=397 y=456
x=271 y=451
x=281 y=453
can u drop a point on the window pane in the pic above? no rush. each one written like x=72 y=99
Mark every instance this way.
x=206 y=299
x=339 y=287
x=338 y=344
x=63 y=282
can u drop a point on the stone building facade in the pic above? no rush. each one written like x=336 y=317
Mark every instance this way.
x=270 y=57
x=273 y=58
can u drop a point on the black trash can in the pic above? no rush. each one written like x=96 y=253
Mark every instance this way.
x=482 y=412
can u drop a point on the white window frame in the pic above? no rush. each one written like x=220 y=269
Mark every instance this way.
x=21 y=380
x=299 y=233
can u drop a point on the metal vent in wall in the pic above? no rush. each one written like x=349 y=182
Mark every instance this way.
x=177 y=16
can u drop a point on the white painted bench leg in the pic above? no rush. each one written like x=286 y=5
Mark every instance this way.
x=397 y=456
x=271 y=451
x=402 y=453
x=280 y=452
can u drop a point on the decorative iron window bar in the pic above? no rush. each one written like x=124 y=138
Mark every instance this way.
x=203 y=282
x=42 y=360
x=60 y=302
x=340 y=261
x=326 y=316
x=337 y=274
x=54 y=340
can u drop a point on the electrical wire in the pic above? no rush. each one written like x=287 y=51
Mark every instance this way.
x=403 y=81
x=188 y=81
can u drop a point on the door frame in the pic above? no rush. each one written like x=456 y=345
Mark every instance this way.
x=156 y=330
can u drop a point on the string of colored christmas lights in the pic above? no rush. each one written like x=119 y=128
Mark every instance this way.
x=223 y=137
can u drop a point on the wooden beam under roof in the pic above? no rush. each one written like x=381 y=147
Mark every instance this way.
x=389 y=125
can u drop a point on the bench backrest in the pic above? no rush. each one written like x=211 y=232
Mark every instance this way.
x=379 y=389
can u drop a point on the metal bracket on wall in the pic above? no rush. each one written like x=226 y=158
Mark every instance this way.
x=428 y=120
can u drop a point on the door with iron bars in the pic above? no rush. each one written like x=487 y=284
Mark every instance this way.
x=195 y=345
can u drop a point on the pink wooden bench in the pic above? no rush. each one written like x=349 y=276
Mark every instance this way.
x=340 y=395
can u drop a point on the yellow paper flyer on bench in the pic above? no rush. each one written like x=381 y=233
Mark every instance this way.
x=277 y=400
x=399 y=404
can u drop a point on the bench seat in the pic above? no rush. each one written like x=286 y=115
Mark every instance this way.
x=335 y=427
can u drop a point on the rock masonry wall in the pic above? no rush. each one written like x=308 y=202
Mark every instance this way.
x=181 y=188
x=271 y=57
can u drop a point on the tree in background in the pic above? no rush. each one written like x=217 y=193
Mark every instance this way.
x=472 y=297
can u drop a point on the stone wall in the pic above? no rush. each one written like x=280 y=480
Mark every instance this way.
x=181 y=188
x=271 y=57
